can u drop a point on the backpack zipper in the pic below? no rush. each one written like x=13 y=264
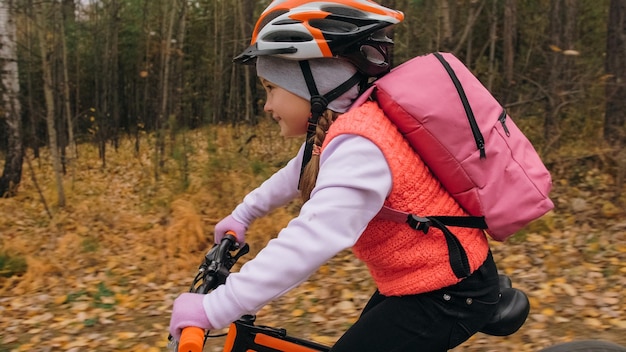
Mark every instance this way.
x=478 y=137
x=502 y=120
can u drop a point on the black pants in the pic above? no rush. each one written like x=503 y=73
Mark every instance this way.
x=431 y=322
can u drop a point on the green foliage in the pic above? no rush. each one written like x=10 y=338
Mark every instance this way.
x=90 y=244
x=12 y=264
x=181 y=151
x=259 y=167
x=103 y=297
x=75 y=296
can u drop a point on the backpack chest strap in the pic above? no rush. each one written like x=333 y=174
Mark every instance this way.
x=458 y=257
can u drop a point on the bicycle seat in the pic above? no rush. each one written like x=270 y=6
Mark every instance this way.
x=511 y=312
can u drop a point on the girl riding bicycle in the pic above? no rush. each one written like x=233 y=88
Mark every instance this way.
x=313 y=59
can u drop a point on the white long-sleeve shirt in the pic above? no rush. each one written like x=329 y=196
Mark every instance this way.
x=353 y=182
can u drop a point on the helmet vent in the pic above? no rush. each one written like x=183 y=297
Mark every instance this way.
x=287 y=21
x=344 y=11
x=287 y=37
x=333 y=26
x=269 y=18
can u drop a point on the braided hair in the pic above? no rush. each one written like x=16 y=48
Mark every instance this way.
x=312 y=168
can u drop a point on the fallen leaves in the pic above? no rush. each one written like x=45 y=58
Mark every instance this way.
x=102 y=275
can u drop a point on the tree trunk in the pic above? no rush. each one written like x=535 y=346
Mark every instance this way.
x=551 y=125
x=146 y=74
x=445 y=26
x=12 y=173
x=473 y=13
x=246 y=11
x=67 y=108
x=180 y=57
x=101 y=64
x=49 y=99
x=615 y=115
x=493 y=37
x=178 y=82
x=114 y=70
x=218 y=62
x=509 y=38
x=30 y=132
x=563 y=35
x=169 y=15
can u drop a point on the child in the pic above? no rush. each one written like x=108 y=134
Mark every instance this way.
x=313 y=57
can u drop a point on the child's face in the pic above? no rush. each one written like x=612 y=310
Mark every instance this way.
x=289 y=110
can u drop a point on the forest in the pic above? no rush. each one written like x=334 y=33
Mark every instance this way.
x=126 y=133
x=97 y=71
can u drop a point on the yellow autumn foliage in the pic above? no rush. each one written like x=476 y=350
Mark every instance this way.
x=102 y=273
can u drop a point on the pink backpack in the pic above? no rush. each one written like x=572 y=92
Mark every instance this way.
x=469 y=142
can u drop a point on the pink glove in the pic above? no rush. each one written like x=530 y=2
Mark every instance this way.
x=229 y=223
x=188 y=311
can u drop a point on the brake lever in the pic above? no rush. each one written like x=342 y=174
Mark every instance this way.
x=240 y=253
x=213 y=271
x=216 y=267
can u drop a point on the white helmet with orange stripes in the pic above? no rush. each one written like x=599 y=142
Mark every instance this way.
x=309 y=29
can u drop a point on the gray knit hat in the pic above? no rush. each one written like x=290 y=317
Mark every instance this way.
x=328 y=73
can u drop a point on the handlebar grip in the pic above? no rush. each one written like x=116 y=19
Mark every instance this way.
x=231 y=233
x=191 y=340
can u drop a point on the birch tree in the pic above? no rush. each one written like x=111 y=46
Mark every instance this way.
x=11 y=109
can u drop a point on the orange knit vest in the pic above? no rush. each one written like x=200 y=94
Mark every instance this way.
x=404 y=261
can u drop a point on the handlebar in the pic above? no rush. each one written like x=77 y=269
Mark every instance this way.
x=212 y=272
x=191 y=340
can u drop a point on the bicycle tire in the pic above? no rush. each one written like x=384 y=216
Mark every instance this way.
x=585 y=346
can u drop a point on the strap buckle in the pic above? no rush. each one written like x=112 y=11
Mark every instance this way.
x=419 y=223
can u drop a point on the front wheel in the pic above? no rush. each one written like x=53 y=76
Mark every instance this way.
x=585 y=346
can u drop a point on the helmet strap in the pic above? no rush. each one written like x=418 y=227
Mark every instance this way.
x=319 y=104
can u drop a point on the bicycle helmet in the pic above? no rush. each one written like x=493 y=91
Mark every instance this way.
x=302 y=30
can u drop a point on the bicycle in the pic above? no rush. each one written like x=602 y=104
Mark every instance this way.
x=244 y=336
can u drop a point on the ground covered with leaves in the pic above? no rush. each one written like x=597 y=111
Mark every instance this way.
x=101 y=273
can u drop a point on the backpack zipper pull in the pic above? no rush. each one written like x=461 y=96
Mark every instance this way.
x=502 y=120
